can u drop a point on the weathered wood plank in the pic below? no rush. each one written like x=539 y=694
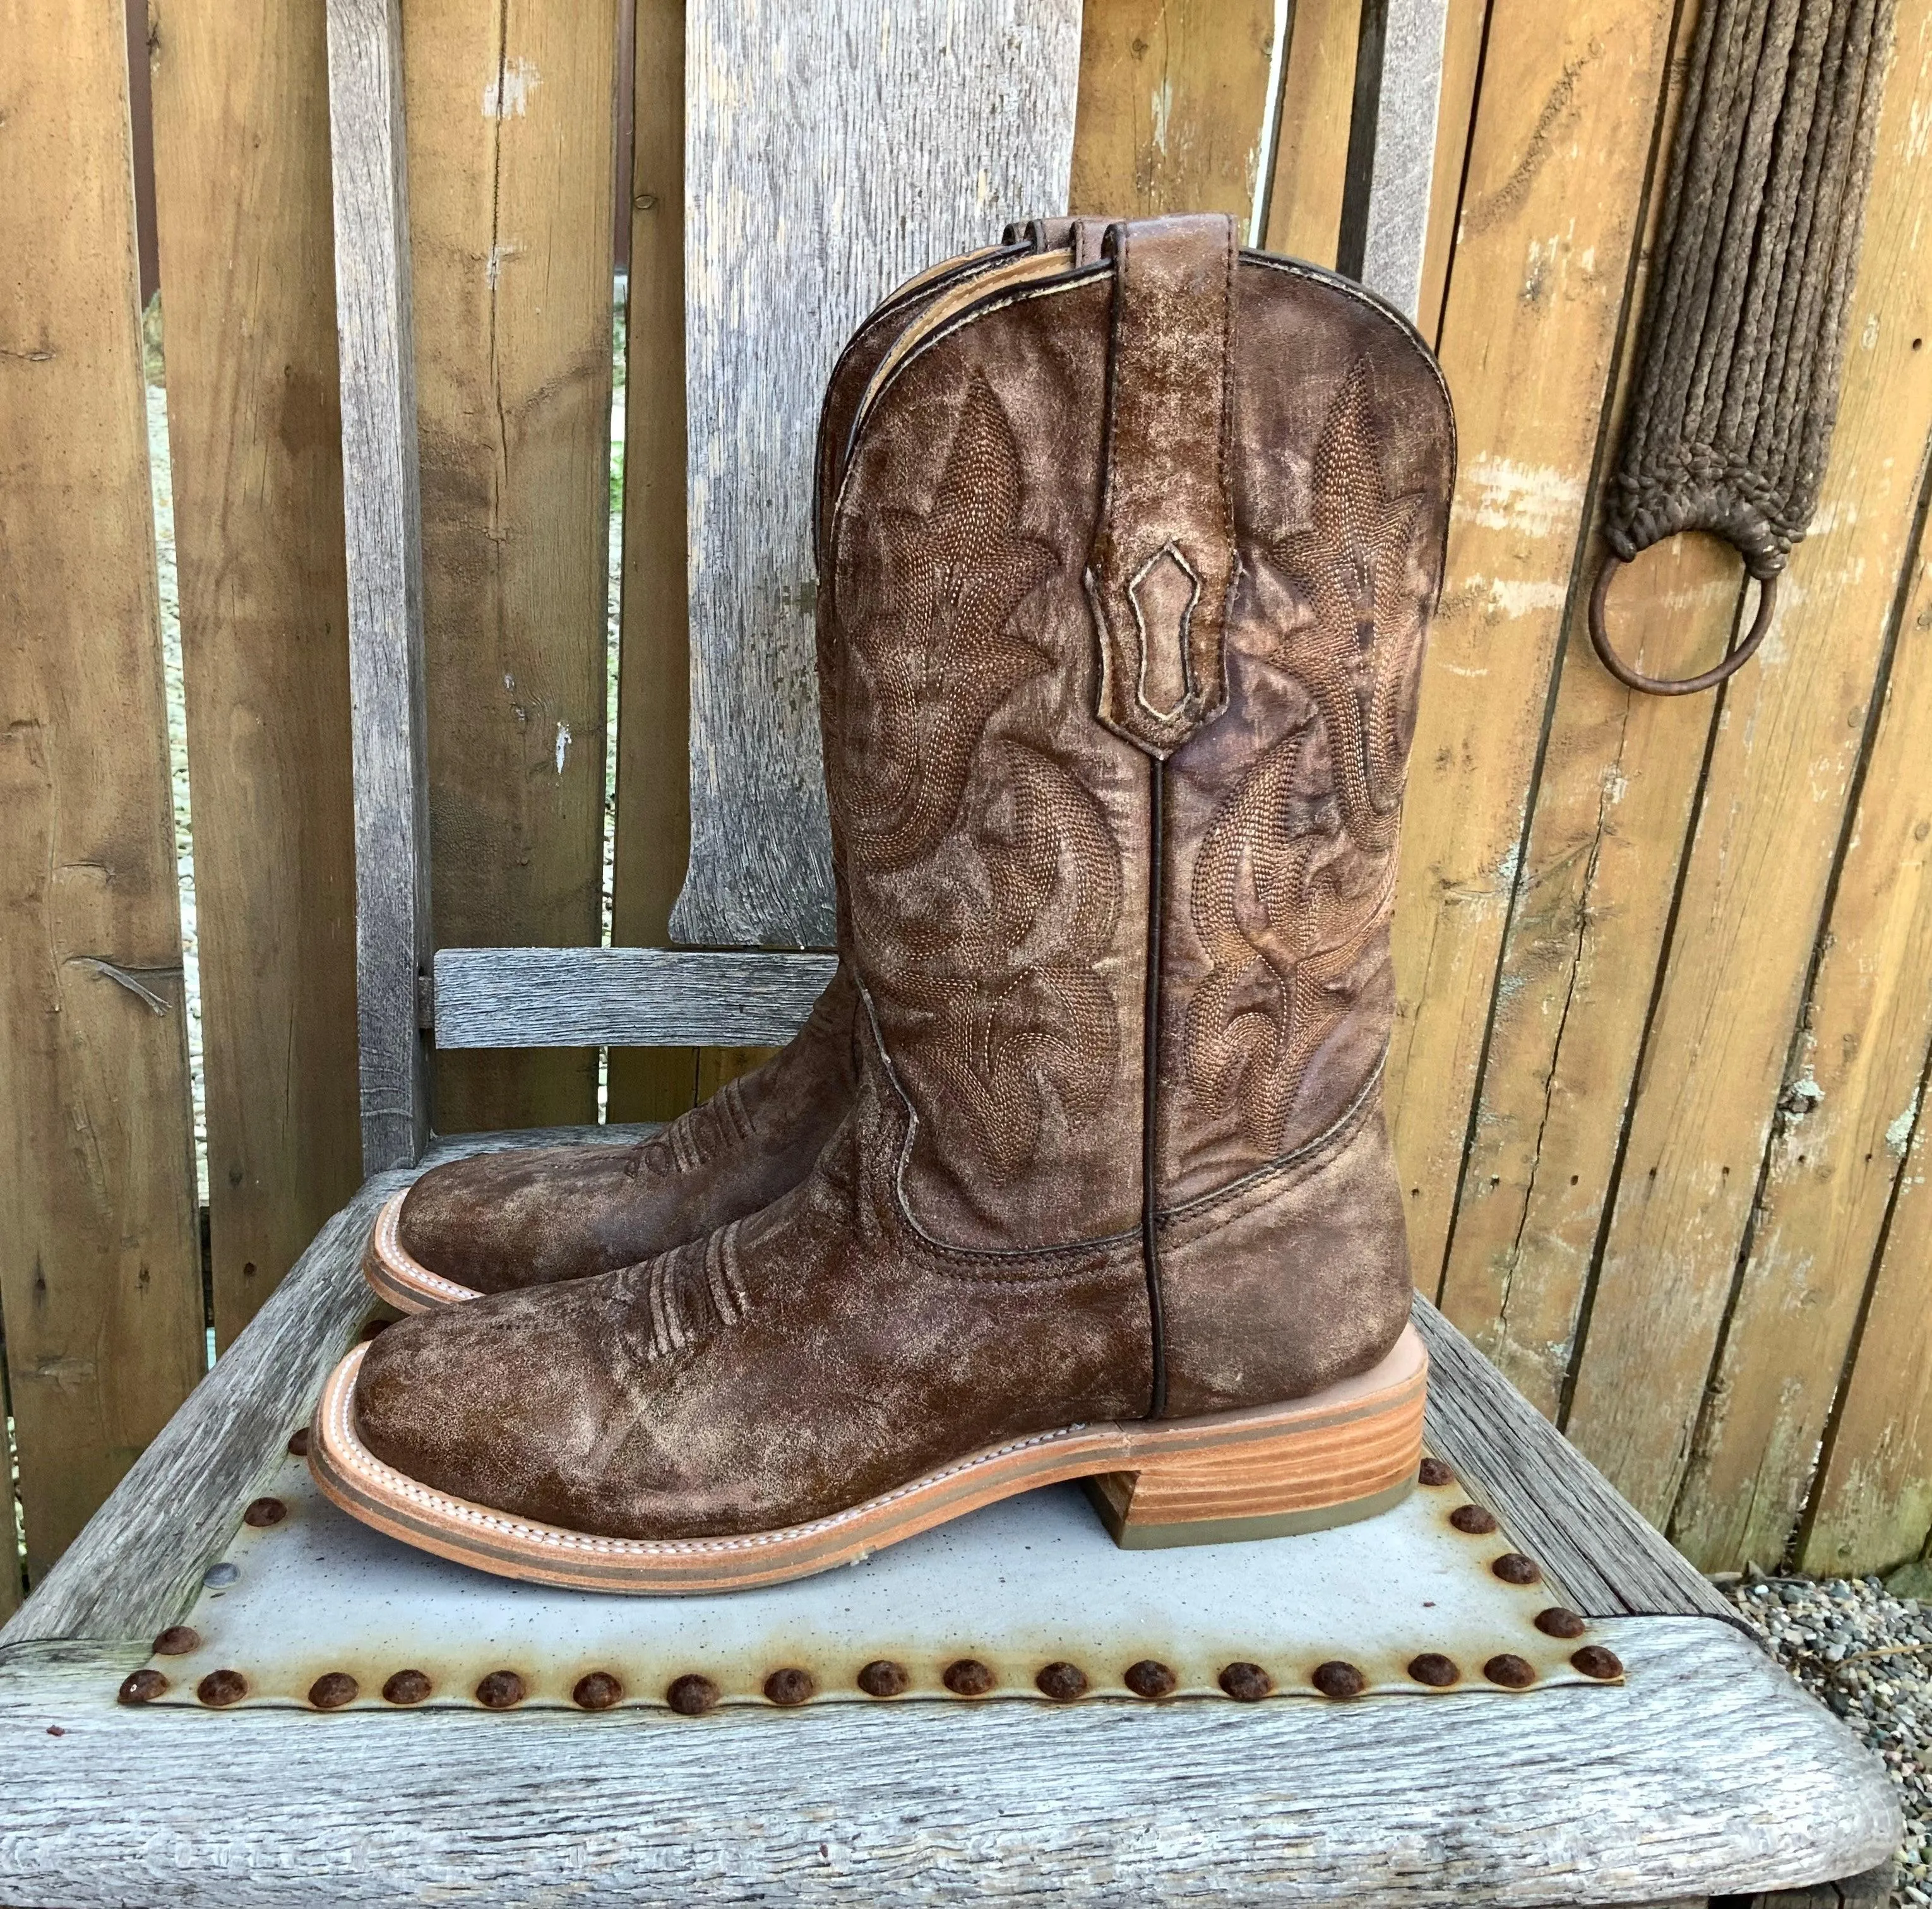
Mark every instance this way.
x=1462 y=44
x=1550 y=214
x=1872 y=1506
x=510 y=118
x=1768 y=828
x=587 y=997
x=654 y=678
x=383 y=529
x=1710 y=1772
x=824 y=163
x=1311 y=146
x=100 y=1275
x=244 y=212
x=1172 y=104
x=1837 y=1147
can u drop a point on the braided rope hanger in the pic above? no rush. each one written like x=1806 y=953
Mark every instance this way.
x=1736 y=385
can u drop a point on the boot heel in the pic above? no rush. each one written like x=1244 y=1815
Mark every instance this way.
x=1342 y=1453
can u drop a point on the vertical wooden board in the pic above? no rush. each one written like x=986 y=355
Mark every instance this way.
x=1619 y=778
x=1787 y=745
x=1173 y=103
x=243 y=208
x=654 y=677
x=1836 y=1149
x=510 y=116
x=1614 y=795
x=1311 y=146
x=716 y=1065
x=1462 y=46
x=100 y=1282
x=1551 y=212
x=830 y=152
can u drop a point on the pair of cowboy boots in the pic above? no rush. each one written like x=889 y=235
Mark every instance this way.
x=1128 y=541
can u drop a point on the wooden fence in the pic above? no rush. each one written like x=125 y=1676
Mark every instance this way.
x=1665 y=966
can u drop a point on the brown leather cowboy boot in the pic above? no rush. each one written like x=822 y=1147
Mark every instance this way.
x=1131 y=568
x=531 y=1216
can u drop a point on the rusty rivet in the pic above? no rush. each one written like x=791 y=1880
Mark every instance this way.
x=177 y=1640
x=331 y=1691
x=1593 y=1661
x=298 y=1443
x=1149 y=1679
x=220 y=1688
x=143 y=1687
x=1062 y=1682
x=967 y=1677
x=264 y=1512
x=1434 y=1669
x=1435 y=1471
x=406 y=1687
x=1512 y=1672
x=1513 y=1567
x=598 y=1691
x=1339 y=1679
x=1558 y=1622
x=374 y=1326
x=691 y=1695
x=788 y=1686
x=1473 y=1519
x=501 y=1690
x=1246 y=1683
x=884 y=1678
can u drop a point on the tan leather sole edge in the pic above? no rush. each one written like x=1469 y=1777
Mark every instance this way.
x=1319 y=1460
x=394 y=1275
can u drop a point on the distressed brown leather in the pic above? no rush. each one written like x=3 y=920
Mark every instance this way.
x=1044 y=1205
x=532 y=1216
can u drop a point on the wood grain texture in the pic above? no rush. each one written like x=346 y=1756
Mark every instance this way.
x=383 y=532
x=100 y=1275
x=1768 y=828
x=1551 y=212
x=1395 y=210
x=1614 y=805
x=1711 y=1770
x=1172 y=105
x=1873 y=1506
x=255 y=433
x=1311 y=147
x=1837 y=1146
x=510 y=130
x=830 y=152
x=584 y=997
x=1463 y=40
x=653 y=837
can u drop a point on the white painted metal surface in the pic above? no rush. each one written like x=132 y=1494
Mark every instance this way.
x=1029 y=1582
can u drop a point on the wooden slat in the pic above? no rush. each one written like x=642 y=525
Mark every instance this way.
x=254 y=428
x=1462 y=64
x=99 y=1278
x=1311 y=147
x=1613 y=804
x=825 y=163
x=1872 y=1504
x=1173 y=103
x=654 y=680
x=510 y=118
x=383 y=531
x=588 y=997
x=1550 y=214
x=1768 y=828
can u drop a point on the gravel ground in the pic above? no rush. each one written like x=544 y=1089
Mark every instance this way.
x=1868 y=1654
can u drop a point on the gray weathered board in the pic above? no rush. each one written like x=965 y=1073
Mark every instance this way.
x=830 y=151
x=1709 y=1772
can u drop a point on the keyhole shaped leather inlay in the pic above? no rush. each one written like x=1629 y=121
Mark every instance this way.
x=1164 y=593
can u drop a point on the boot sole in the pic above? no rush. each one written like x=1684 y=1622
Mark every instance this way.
x=394 y=1275
x=1341 y=1454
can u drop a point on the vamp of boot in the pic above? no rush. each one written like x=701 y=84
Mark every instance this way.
x=1128 y=546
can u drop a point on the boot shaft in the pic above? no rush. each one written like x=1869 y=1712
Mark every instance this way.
x=1127 y=579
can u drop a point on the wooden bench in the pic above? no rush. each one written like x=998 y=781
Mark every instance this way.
x=1704 y=1773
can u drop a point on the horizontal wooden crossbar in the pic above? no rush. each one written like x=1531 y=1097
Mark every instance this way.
x=623 y=997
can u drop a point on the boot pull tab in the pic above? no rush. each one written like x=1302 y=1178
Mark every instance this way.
x=1162 y=563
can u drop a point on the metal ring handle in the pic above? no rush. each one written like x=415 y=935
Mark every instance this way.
x=1767 y=595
